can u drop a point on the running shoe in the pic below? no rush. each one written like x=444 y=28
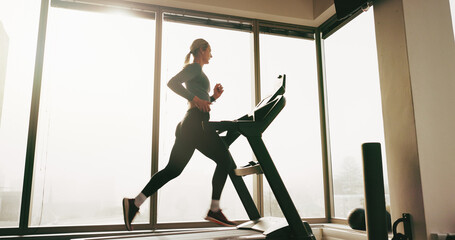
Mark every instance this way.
x=219 y=218
x=129 y=212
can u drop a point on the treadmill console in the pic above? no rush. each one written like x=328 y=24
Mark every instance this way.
x=266 y=105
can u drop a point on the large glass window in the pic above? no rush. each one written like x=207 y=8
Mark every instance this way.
x=354 y=108
x=18 y=36
x=294 y=138
x=95 y=120
x=187 y=198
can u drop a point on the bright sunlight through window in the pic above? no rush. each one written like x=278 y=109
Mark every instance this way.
x=94 y=130
x=354 y=108
x=18 y=36
x=294 y=138
x=187 y=198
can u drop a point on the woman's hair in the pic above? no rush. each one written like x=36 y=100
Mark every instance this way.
x=194 y=49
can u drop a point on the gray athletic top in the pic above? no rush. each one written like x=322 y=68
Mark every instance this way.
x=196 y=82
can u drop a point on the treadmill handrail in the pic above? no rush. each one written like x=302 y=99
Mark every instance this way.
x=251 y=127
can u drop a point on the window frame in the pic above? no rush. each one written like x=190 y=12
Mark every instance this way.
x=324 y=31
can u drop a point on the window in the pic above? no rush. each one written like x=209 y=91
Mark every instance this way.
x=95 y=120
x=354 y=108
x=18 y=36
x=452 y=10
x=187 y=198
x=294 y=138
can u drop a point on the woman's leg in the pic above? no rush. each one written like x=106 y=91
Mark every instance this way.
x=181 y=153
x=212 y=146
x=180 y=156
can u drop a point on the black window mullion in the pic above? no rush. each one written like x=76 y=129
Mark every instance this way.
x=33 y=122
x=286 y=32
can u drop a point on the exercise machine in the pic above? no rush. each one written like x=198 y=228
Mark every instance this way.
x=252 y=126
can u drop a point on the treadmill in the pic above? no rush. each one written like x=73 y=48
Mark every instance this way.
x=252 y=126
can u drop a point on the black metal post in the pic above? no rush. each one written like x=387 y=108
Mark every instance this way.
x=244 y=194
x=376 y=218
x=279 y=189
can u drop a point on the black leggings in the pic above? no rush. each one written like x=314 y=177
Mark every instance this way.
x=190 y=135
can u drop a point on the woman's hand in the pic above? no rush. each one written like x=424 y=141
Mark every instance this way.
x=217 y=91
x=201 y=104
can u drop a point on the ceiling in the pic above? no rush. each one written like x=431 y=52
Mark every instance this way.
x=302 y=12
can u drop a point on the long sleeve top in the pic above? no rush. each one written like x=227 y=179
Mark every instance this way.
x=196 y=83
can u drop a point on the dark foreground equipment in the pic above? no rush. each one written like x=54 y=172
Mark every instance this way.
x=252 y=126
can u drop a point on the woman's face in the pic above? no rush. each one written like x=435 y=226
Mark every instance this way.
x=206 y=55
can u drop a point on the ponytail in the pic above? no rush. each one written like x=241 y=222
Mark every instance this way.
x=194 y=49
x=187 y=58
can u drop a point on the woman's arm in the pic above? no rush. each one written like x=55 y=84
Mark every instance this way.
x=217 y=91
x=176 y=83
